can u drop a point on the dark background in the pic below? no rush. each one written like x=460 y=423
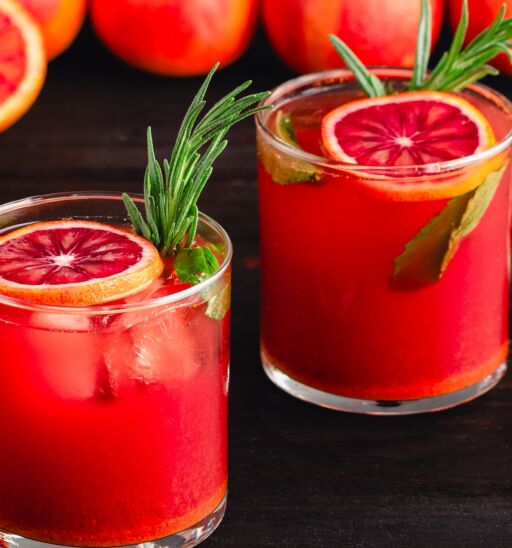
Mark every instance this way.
x=299 y=475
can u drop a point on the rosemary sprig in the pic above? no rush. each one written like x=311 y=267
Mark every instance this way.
x=370 y=83
x=171 y=193
x=458 y=67
x=422 y=47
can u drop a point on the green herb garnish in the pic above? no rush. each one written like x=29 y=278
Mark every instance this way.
x=219 y=304
x=192 y=263
x=291 y=170
x=428 y=254
x=371 y=83
x=171 y=193
x=422 y=46
x=458 y=67
x=285 y=130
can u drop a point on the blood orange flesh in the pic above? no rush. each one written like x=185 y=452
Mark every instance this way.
x=409 y=129
x=13 y=62
x=22 y=62
x=75 y=263
x=413 y=128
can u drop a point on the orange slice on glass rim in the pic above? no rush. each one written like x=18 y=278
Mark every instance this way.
x=75 y=263
x=418 y=128
x=22 y=62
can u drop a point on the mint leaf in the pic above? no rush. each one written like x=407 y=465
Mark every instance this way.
x=194 y=264
x=285 y=130
x=420 y=263
x=476 y=207
x=284 y=169
x=218 y=304
x=428 y=254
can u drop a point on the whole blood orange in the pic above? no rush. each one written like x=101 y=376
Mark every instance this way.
x=75 y=263
x=22 y=62
x=175 y=37
x=60 y=21
x=409 y=129
x=381 y=32
x=481 y=14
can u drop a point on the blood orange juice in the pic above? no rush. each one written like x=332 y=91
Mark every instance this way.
x=115 y=414
x=372 y=300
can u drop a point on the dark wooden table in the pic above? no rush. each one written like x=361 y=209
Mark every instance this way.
x=299 y=475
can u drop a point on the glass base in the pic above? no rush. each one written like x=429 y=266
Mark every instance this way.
x=184 y=539
x=383 y=407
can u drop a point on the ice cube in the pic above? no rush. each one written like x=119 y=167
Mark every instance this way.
x=156 y=349
x=60 y=321
x=64 y=354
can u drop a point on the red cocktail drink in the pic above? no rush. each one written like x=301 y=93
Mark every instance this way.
x=344 y=323
x=116 y=414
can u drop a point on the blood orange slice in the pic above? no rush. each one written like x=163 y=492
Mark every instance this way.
x=409 y=129
x=22 y=62
x=75 y=263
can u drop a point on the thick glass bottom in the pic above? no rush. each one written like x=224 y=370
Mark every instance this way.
x=383 y=407
x=184 y=539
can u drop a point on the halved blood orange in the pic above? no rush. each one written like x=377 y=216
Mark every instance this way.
x=406 y=130
x=22 y=62
x=75 y=263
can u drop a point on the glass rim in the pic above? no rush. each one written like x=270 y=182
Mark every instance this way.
x=344 y=75
x=106 y=308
